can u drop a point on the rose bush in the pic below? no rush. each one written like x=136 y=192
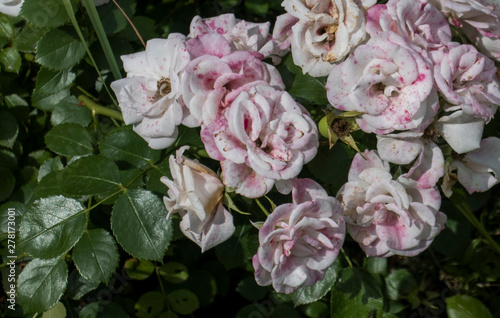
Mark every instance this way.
x=219 y=116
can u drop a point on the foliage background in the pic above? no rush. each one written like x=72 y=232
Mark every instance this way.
x=94 y=241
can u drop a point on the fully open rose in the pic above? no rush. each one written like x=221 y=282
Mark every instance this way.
x=299 y=240
x=326 y=31
x=386 y=216
x=150 y=95
x=388 y=82
x=195 y=193
x=261 y=136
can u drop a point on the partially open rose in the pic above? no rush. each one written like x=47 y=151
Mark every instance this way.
x=299 y=240
x=386 y=216
x=195 y=193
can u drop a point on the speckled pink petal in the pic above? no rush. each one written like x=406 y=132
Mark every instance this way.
x=429 y=167
x=307 y=190
x=208 y=44
x=399 y=149
x=244 y=180
x=365 y=160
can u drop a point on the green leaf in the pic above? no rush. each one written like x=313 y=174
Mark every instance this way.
x=150 y=305
x=139 y=223
x=8 y=159
x=139 y=269
x=41 y=284
x=44 y=14
x=356 y=294
x=59 y=50
x=69 y=140
x=11 y=60
x=305 y=86
x=78 y=286
x=52 y=81
x=90 y=176
x=70 y=110
x=258 y=7
x=465 y=306
x=96 y=255
x=10 y=212
x=52 y=226
x=174 y=272
x=27 y=40
x=183 y=301
x=58 y=311
x=6 y=28
x=7 y=183
x=123 y=144
x=48 y=101
x=376 y=265
x=331 y=166
x=249 y=289
x=399 y=282
x=309 y=294
x=8 y=129
x=317 y=310
x=48 y=186
x=50 y=165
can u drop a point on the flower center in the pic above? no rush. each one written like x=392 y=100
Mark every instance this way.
x=164 y=87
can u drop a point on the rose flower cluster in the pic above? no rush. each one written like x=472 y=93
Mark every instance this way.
x=394 y=65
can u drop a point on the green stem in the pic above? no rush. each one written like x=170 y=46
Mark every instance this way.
x=346 y=258
x=103 y=39
x=461 y=205
x=23 y=255
x=262 y=207
x=98 y=109
x=71 y=14
x=159 y=280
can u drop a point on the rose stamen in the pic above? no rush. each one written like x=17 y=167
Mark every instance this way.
x=164 y=86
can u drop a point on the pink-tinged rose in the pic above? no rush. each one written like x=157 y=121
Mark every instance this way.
x=242 y=35
x=387 y=81
x=209 y=78
x=11 y=7
x=478 y=170
x=261 y=135
x=405 y=147
x=327 y=31
x=467 y=80
x=195 y=193
x=461 y=131
x=299 y=240
x=479 y=20
x=149 y=97
x=385 y=216
x=415 y=20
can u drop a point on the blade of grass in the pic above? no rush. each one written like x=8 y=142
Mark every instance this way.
x=103 y=39
x=71 y=14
